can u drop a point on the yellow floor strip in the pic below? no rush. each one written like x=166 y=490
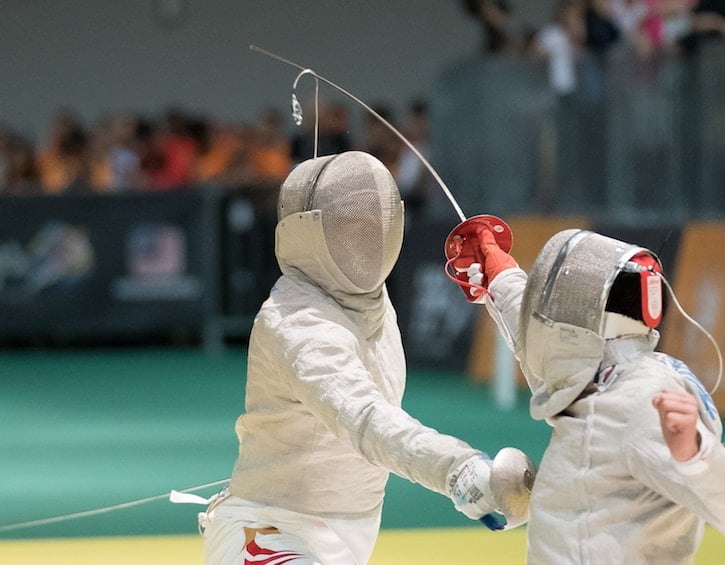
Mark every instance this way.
x=455 y=546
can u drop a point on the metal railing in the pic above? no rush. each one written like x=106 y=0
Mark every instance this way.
x=639 y=140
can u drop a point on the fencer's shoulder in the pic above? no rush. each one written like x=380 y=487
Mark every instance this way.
x=692 y=384
x=674 y=366
x=638 y=380
x=673 y=362
x=292 y=302
x=649 y=372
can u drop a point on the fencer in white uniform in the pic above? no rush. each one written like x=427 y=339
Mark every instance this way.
x=323 y=425
x=607 y=490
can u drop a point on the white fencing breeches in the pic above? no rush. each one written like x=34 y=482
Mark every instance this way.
x=299 y=540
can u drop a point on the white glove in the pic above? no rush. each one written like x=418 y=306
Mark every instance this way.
x=512 y=480
x=481 y=487
x=475 y=277
x=469 y=487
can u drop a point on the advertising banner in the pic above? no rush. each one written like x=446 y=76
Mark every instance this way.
x=96 y=267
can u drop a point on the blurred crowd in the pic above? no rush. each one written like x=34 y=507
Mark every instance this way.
x=180 y=150
x=123 y=151
x=649 y=29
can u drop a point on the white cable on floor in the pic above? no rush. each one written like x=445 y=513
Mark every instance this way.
x=66 y=517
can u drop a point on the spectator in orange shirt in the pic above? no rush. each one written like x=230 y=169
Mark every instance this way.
x=270 y=151
x=63 y=164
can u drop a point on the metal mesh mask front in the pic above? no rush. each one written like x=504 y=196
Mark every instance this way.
x=571 y=279
x=361 y=210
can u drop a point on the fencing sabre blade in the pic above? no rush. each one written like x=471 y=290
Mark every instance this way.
x=297 y=114
x=461 y=246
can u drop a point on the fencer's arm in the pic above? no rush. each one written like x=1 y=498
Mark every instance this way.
x=651 y=462
x=503 y=303
x=341 y=393
x=698 y=455
x=704 y=473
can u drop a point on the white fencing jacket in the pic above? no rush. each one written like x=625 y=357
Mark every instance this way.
x=607 y=490
x=323 y=424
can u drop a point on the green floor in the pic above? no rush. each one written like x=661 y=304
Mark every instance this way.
x=87 y=429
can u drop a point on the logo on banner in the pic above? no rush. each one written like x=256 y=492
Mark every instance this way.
x=155 y=250
x=156 y=265
x=58 y=255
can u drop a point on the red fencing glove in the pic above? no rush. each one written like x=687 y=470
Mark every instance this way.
x=496 y=259
x=465 y=253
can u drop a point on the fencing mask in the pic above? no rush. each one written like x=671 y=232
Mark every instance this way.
x=563 y=312
x=340 y=221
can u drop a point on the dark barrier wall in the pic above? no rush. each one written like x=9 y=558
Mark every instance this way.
x=104 y=268
x=435 y=319
x=242 y=267
x=101 y=267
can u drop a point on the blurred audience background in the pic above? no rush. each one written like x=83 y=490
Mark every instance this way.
x=182 y=150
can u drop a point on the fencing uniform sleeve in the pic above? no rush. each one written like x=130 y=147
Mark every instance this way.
x=696 y=484
x=332 y=381
x=505 y=305
x=703 y=475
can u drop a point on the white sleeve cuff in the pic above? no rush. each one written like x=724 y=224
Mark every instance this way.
x=701 y=461
x=502 y=276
